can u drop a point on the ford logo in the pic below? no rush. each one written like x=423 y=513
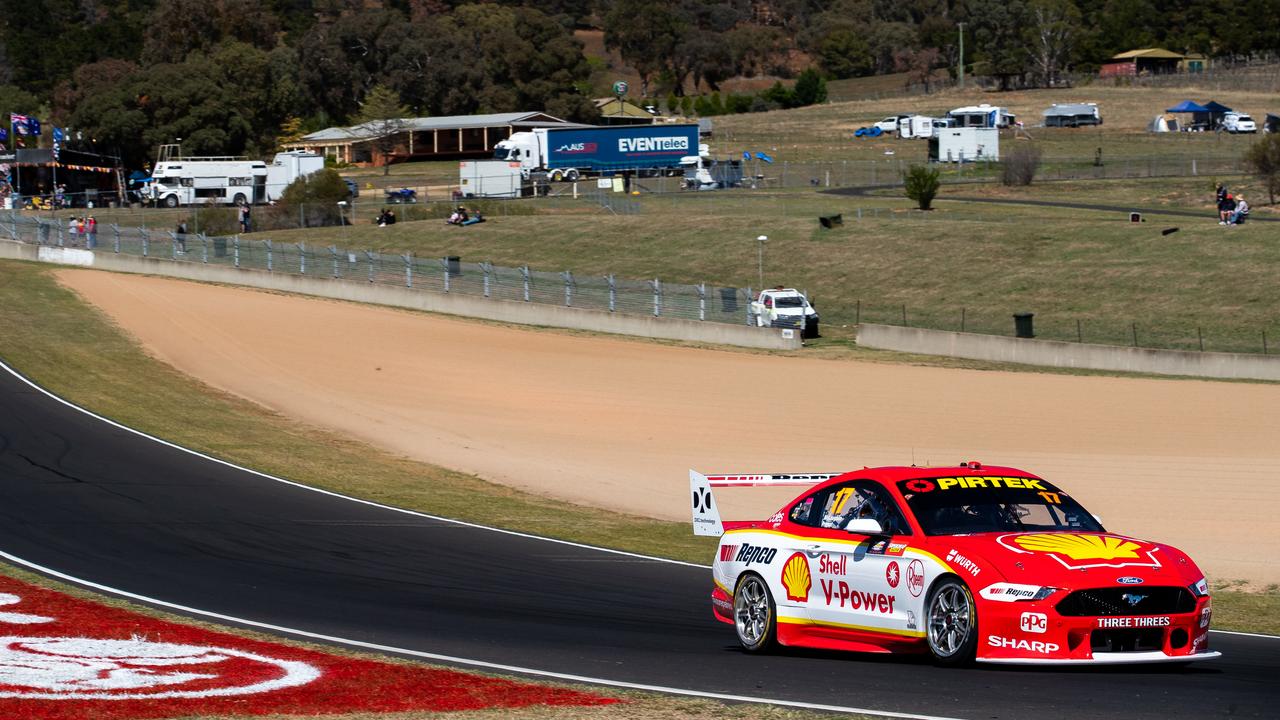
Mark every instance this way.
x=1129 y=580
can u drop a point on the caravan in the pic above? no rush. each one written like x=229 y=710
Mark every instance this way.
x=982 y=116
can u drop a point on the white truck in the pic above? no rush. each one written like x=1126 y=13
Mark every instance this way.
x=785 y=307
x=223 y=180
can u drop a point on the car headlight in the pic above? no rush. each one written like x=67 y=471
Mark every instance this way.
x=1013 y=592
x=1199 y=588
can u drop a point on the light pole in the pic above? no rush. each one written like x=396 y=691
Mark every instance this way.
x=342 y=204
x=760 y=258
x=961 y=55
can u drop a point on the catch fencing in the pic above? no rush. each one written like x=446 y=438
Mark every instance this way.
x=609 y=293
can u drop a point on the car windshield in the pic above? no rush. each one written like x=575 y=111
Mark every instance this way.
x=788 y=301
x=977 y=504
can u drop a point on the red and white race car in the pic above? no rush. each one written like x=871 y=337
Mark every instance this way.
x=966 y=562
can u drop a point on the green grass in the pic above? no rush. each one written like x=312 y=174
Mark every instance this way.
x=69 y=348
x=973 y=261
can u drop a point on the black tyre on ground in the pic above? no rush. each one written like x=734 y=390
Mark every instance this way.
x=239 y=199
x=951 y=623
x=755 y=616
x=171 y=201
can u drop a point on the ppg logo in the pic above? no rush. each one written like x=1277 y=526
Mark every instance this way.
x=702 y=500
x=1033 y=622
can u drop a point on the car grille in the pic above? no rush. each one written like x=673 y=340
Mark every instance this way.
x=1126 y=640
x=1127 y=601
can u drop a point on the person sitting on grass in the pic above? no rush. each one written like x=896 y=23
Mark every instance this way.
x=1225 y=207
x=459 y=216
x=1241 y=212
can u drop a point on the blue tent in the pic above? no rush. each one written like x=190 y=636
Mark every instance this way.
x=1187 y=106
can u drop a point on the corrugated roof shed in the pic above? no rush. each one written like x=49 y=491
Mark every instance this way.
x=1148 y=53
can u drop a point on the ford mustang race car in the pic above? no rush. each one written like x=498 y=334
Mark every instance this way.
x=966 y=563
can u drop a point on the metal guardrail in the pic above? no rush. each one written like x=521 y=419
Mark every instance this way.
x=702 y=302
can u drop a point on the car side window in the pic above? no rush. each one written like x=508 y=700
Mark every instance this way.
x=835 y=506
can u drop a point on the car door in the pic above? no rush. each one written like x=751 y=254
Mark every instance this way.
x=860 y=581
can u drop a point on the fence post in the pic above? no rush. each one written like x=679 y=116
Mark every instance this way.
x=58 y=223
x=235 y=246
x=613 y=292
x=146 y=241
x=444 y=264
x=408 y=269
x=702 y=301
x=333 y=252
x=748 y=305
x=302 y=257
x=204 y=248
x=486 y=267
x=173 y=238
x=369 y=256
x=568 y=288
x=268 y=244
x=115 y=231
x=657 y=297
x=524 y=274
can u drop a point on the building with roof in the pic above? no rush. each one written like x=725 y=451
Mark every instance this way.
x=1148 y=61
x=616 y=111
x=451 y=137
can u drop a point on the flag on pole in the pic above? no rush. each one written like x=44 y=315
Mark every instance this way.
x=58 y=137
x=33 y=125
x=19 y=123
x=4 y=138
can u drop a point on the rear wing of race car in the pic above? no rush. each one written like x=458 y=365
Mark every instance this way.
x=706 y=515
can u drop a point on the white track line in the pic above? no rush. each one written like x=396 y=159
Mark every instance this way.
x=417 y=653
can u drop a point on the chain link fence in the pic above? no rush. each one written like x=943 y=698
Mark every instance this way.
x=702 y=302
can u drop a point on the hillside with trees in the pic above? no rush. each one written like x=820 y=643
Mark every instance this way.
x=235 y=76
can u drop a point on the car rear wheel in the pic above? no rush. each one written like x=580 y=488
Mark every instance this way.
x=952 y=623
x=755 y=615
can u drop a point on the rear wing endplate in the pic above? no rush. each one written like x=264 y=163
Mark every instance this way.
x=706 y=515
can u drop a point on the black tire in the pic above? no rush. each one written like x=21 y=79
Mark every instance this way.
x=755 y=616
x=571 y=176
x=951 y=623
x=171 y=201
x=555 y=176
x=239 y=199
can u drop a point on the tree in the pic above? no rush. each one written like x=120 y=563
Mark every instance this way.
x=921 y=184
x=845 y=54
x=917 y=64
x=810 y=88
x=998 y=35
x=1263 y=158
x=1050 y=37
x=384 y=117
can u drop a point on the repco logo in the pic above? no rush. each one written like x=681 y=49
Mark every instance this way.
x=748 y=554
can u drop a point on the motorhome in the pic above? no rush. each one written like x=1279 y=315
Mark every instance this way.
x=1072 y=115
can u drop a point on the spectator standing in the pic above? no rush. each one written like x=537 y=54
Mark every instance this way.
x=74 y=228
x=246 y=223
x=92 y=231
x=180 y=233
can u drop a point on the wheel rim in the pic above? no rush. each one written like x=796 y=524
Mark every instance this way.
x=751 y=611
x=949 y=620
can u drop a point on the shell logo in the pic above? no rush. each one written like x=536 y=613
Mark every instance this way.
x=796 y=579
x=1071 y=549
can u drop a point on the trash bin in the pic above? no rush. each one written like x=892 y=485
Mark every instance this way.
x=219 y=247
x=1022 y=325
x=455 y=265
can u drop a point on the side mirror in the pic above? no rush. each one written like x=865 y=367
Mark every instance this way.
x=864 y=526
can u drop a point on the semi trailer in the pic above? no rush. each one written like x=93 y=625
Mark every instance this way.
x=572 y=153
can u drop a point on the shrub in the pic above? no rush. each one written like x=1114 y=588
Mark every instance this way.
x=921 y=185
x=1263 y=159
x=1019 y=166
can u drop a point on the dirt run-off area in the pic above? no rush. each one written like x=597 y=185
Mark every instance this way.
x=616 y=423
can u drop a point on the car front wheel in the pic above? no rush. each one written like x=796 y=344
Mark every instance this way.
x=755 y=615
x=952 y=623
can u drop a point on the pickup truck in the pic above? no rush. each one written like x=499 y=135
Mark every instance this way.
x=1234 y=122
x=785 y=307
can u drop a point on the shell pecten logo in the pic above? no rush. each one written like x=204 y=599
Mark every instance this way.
x=796 y=579
x=1076 y=550
x=1080 y=547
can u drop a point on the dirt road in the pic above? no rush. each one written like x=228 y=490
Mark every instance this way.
x=617 y=424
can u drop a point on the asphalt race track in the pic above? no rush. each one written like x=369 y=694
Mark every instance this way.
x=97 y=502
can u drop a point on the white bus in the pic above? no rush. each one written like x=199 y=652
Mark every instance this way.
x=180 y=180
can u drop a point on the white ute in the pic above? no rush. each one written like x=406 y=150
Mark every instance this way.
x=1234 y=122
x=785 y=307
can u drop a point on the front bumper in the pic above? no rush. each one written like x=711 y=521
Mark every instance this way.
x=1035 y=633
